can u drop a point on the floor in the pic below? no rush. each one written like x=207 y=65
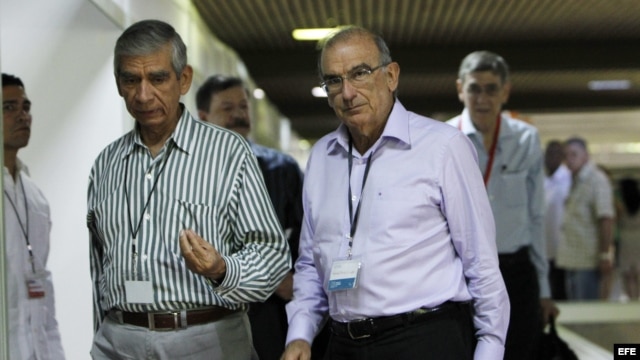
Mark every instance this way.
x=591 y=328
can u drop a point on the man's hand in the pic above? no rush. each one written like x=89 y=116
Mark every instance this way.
x=605 y=266
x=297 y=350
x=201 y=257
x=285 y=289
x=549 y=309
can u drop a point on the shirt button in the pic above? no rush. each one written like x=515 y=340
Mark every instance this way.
x=144 y=257
x=147 y=216
x=354 y=198
x=148 y=176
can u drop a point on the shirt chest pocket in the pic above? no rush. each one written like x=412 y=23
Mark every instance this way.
x=397 y=208
x=185 y=215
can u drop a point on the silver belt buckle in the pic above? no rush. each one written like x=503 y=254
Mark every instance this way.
x=361 y=336
x=152 y=321
x=177 y=317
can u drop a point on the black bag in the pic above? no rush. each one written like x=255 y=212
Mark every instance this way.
x=554 y=348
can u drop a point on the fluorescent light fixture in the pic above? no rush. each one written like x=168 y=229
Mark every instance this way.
x=617 y=148
x=311 y=33
x=318 y=92
x=601 y=85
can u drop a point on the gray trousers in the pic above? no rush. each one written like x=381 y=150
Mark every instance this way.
x=228 y=338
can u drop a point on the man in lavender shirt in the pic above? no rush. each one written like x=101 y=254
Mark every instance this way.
x=397 y=249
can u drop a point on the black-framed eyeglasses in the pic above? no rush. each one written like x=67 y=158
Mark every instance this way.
x=357 y=77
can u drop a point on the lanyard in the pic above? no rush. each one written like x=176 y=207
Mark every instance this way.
x=134 y=232
x=353 y=219
x=492 y=149
x=24 y=227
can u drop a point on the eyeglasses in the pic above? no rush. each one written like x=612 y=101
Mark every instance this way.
x=357 y=77
x=476 y=90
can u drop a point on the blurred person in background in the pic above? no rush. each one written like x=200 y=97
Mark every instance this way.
x=629 y=226
x=557 y=184
x=585 y=250
x=33 y=329
x=510 y=159
x=224 y=101
x=607 y=280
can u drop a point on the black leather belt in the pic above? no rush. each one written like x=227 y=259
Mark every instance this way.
x=360 y=329
x=172 y=320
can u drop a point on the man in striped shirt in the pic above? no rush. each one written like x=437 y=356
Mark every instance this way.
x=183 y=234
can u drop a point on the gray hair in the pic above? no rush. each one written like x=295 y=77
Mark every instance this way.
x=347 y=33
x=146 y=37
x=484 y=61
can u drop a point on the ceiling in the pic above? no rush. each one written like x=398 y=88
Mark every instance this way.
x=554 y=48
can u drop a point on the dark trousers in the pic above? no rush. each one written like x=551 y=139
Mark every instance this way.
x=557 y=282
x=447 y=337
x=268 y=327
x=525 y=325
x=269 y=330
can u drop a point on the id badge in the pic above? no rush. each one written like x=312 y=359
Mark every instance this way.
x=35 y=285
x=344 y=275
x=138 y=292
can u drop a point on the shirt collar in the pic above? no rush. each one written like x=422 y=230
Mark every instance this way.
x=397 y=127
x=181 y=134
x=465 y=124
x=468 y=128
x=20 y=167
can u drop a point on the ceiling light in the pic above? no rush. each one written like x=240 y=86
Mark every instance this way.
x=600 y=85
x=311 y=33
x=258 y=93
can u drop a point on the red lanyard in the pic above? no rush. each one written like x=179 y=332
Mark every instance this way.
x=492 y=150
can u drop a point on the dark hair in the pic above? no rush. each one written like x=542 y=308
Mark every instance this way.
x=213 y=85
x=630 y=195
x=146 y=37
x=553 y=144
x=484 y=61
x=577 y=141
x=348 y=32
x=11 y=80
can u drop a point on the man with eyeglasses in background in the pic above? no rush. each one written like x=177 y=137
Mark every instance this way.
x=510 y=159
x=398 y=241
x=224 y=101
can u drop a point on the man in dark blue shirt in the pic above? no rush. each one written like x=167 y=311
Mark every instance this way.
x=224 y=101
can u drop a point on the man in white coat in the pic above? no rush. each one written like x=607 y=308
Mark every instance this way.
x=33 y=329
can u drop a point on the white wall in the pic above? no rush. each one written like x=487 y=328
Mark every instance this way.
x=62 y=50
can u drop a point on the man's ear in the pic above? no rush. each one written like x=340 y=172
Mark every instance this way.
x=185 y=79
x=393 y=74
x=202 y=115
x=460 y=88
x=506 y=91
x=118 y=86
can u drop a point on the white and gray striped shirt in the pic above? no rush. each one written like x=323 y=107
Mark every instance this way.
x=210 y=183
